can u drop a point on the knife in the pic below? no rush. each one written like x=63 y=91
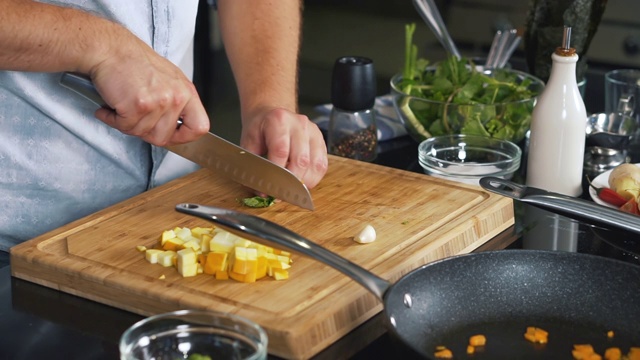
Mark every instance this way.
x=216 y=153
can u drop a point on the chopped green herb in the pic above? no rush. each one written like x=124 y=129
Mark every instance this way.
x=258 y=201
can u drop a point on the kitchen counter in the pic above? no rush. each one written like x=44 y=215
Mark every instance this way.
x=39 y=322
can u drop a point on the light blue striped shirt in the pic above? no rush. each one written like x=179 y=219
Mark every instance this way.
x=59 y=163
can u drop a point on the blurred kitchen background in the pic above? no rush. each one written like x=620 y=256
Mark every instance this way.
x=375 y=29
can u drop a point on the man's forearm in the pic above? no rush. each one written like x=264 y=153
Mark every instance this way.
x=262 y=40
x=41 y=37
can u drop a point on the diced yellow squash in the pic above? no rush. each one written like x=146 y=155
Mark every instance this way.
x=187 y=256
x=235 y=276
x=245 y=278
x=141 y=248
x=240 y=260
x=166 y=258
x=250 y=277
x=188 y=270
x=274 y=264
x=166 y=235
x=221 y=242
x=262 y=267
x=173 y=244
x=199 y=231
x=162 y=277
x=183 y=233
x=205 y=241
x=152 y=255
x=246 y=261
x=241 y=242
x=217 y=252
x=192 y=238
x=216 y=261
x=280 y=274
x=193 y=243
x=187 y=262
x=222 y=275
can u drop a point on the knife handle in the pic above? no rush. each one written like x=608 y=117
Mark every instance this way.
x=83 y=86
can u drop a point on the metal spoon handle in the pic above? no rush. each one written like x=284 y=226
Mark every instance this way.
x=430 y=14
x=254 y=228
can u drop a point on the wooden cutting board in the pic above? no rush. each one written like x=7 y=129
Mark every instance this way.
x=418 y=219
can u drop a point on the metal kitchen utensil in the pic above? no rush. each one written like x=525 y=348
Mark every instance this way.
x=572 y=207
x=503 y=45
x=226 y=158
x=613 y=131
x=430 y=14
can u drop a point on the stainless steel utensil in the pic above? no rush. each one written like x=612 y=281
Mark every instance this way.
x=430 y=14
x=572 y=207
x=502 y=47
x=226 y=158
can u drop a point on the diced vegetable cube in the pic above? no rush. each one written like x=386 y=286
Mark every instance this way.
x=152 y=255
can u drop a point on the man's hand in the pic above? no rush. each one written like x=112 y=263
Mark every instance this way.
x=148 y=94
x=289 y=140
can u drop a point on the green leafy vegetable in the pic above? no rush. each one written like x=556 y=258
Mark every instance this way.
x=455 y=97
x=258 y=201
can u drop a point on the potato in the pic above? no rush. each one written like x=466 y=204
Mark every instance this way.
x=625 y=180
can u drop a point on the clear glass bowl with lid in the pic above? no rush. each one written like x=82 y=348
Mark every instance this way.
x=467 y=158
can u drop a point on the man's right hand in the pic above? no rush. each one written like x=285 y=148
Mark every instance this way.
x=148 y=94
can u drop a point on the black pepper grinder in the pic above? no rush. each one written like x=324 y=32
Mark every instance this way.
x=352 y=125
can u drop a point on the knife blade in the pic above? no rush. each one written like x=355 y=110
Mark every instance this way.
x=222 y=156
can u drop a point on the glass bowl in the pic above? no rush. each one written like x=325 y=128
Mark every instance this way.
x=467 y=158
x=196 y=335
x=494 y=116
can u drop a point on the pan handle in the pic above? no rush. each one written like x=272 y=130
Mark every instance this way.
x=572 y=207
x=258 y=229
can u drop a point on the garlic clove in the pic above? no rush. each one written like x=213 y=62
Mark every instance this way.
x=367 y=235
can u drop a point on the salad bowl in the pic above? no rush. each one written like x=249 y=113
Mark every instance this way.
x=468 y=100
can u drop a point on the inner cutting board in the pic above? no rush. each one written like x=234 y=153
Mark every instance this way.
x=418 y=219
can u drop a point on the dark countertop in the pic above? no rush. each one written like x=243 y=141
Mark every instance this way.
x=37 y=322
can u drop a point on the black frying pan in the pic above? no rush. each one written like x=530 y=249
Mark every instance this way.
x=576 y=297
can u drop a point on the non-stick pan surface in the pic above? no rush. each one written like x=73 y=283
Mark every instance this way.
x=576 y=297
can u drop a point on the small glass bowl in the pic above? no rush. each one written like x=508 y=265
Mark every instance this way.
x=185 y=334
x=467 y=158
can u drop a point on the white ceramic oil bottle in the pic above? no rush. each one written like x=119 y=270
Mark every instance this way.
x=558 y=128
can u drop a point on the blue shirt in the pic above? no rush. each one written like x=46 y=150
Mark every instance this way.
x=59 y=163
